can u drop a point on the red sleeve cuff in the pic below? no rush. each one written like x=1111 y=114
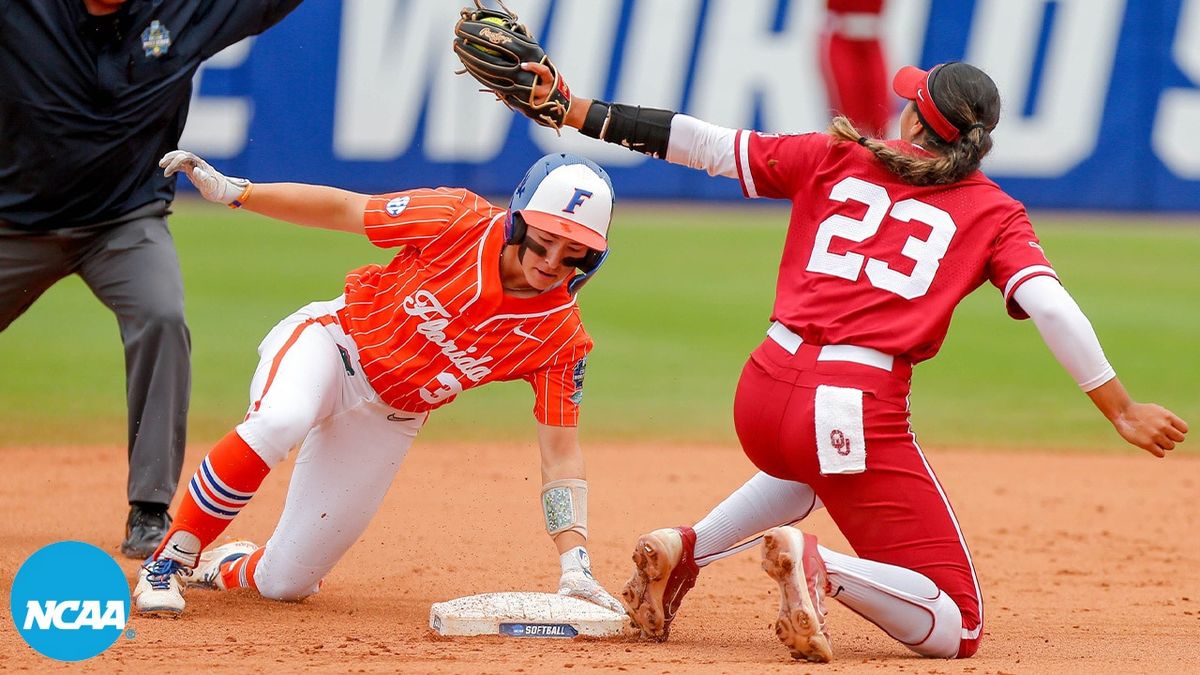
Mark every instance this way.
x=1015 y=282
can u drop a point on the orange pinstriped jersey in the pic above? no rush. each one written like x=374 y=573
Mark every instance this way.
x=435 y=321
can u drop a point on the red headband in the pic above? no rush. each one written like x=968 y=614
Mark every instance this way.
x=912 y=83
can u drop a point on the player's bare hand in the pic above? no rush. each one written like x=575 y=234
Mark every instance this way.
x=545 y=81
x=1151 y=427
x=212 y=184
x=576 y=107
x=580 y=583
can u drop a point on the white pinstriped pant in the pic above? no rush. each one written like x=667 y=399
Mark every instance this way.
x=350 y=450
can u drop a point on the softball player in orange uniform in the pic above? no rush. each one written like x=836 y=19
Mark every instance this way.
x=475 y=294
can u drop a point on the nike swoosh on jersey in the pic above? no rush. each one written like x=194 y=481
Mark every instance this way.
x=393 y=417
x=520 y=333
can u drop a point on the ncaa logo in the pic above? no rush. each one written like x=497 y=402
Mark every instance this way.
x=70 y=601
x=396 y=206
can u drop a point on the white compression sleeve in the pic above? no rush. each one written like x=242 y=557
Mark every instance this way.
x=907 y=605
x=762 y=503
x=1065 y=330
x=699 y=145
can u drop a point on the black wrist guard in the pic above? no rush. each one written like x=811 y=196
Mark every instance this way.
x=597 y=117
x=646 y=130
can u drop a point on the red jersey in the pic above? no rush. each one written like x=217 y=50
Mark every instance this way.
x=872 y=261
x=435 y=321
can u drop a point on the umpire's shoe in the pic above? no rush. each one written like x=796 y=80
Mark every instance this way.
x=144 y=530
x=159 y=589
x=666 y=571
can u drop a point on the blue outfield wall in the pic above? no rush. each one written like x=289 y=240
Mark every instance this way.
x=1101 y=100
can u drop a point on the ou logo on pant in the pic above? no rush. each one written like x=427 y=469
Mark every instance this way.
x=75 y=616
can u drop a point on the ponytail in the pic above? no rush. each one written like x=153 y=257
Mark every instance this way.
x=949 y=163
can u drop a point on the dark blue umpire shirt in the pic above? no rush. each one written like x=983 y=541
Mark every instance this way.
x=89 y=104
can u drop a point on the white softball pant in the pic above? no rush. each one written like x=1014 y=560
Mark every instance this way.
x=309 y=389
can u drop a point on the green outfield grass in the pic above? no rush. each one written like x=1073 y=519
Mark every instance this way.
x=683 y=300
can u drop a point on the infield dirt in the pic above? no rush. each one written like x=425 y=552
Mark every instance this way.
x=1088 y=563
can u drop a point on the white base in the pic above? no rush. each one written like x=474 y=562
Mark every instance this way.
x=524 y=615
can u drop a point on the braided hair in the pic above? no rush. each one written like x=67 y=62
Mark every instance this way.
x=969 y=100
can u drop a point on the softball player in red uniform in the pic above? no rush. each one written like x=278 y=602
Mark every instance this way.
x=475 y=294
x=885 y=239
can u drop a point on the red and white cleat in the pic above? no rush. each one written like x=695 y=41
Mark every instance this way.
x=790 y=557
x=666 y=571
x=208 y=571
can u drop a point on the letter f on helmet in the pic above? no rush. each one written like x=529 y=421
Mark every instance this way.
x=577 y=200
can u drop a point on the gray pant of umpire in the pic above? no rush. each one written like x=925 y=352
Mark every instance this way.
x=131 y=265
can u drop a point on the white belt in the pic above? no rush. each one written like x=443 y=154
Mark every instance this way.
x=784 y=337
x=856 y=25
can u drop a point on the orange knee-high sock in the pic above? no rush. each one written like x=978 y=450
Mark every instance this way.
x=240 y=573
x=226 y=480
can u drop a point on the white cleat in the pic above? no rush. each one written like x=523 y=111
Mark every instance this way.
x=790 y=557
x=665 y=571
x=208 y=572
x=159 y=590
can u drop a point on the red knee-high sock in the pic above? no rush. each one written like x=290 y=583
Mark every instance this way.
x=226 y=480
x=240 y=573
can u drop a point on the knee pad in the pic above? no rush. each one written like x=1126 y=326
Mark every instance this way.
x=284 y=587
x=945 y=637
x=280 y=578
x=907 y=605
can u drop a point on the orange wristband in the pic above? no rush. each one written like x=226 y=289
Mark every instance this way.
x=241 y=199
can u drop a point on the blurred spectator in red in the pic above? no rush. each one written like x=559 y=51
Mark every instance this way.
x=853 y=66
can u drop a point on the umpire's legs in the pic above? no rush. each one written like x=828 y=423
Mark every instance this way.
x=134 y=271
x=342 y=473
x=28 y=266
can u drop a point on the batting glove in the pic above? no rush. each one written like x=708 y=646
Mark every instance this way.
x=577 y=581
x=212 y=184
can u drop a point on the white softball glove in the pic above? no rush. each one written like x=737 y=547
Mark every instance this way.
x=577 y=581
x=212 y=184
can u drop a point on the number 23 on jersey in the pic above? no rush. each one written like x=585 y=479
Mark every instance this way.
x=926 y=253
